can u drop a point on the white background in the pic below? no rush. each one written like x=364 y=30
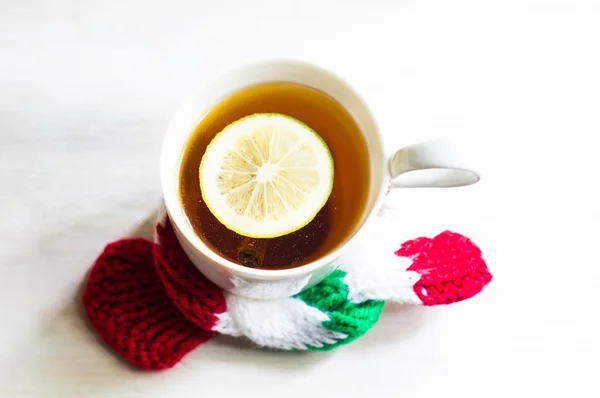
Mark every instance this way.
x=87 y=89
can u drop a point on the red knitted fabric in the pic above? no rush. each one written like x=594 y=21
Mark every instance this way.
x=126 y=305
x=450 y=265
x=196 y=297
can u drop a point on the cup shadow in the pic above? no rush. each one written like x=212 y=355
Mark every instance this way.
x=145 y=229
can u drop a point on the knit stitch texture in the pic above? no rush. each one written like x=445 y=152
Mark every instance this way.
x=150 y=304
x=451 y=268
x=331 y=297
x=126 y=305
x=198 y=299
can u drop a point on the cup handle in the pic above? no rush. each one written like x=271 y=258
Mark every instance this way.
x=436 y=163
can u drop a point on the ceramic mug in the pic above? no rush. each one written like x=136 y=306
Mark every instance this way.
x=438 y=156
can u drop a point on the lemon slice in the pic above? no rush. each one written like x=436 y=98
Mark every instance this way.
x=266 y=175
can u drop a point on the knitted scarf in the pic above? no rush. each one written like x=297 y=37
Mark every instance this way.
x=151 y=305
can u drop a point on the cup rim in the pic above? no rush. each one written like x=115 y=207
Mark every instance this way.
x=177 y=216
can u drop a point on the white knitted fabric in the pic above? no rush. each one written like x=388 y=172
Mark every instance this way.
x=286 y=324
x=378 y=274
x=290 y=323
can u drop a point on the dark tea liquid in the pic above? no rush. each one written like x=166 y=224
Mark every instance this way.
x=338 y=218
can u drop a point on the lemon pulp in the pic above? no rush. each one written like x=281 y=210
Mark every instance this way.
x=266 y=175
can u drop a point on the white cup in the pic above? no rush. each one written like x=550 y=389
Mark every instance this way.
x=439 y=163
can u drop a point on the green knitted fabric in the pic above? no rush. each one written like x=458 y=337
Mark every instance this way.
x=331 y=297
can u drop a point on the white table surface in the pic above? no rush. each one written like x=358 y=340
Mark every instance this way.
x=88 y=87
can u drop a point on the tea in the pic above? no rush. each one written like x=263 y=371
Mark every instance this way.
x=340 y=215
